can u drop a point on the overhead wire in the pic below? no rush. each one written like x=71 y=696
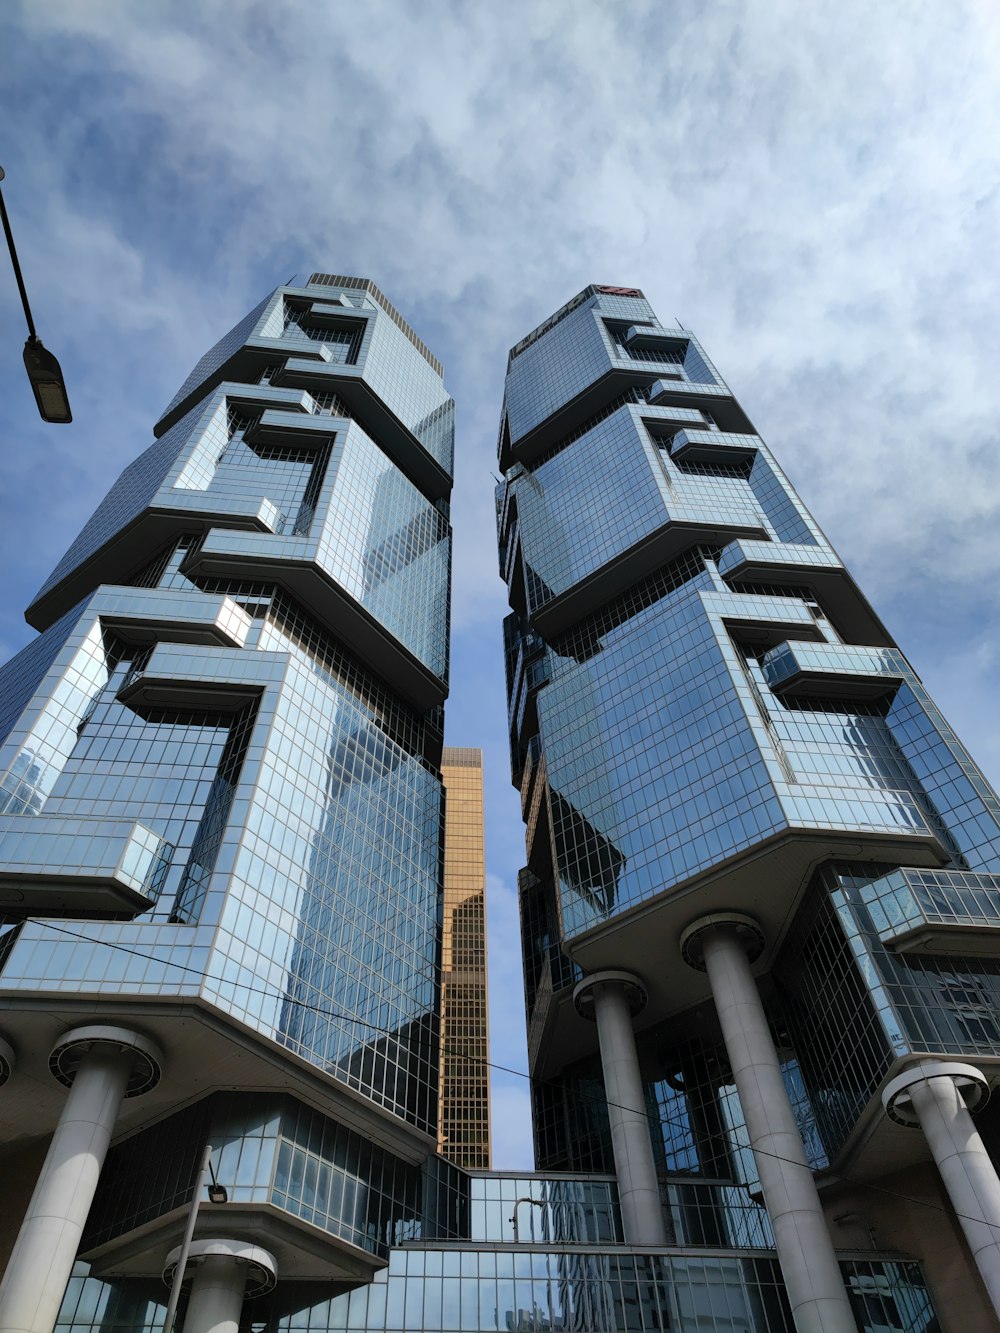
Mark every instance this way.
x=354 y=1020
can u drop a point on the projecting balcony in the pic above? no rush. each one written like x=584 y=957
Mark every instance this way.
x=936 y=911
x=810 y=566
x=152 y=614
x=312 y=370
x=640 y=336
x=292 y=428
x=218 y=680
x=833 y=670
x=710 y=446
x=172 y=515
x=77 y=867
x=337 y=314
x=300 y=565
x=320 y=373
x=765 y=622
x=268 y=396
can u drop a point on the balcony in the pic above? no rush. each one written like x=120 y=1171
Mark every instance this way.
x=56 y=867
x=833 y=670
x=291 y=428
x=936 y=911
x=815 y=567
x=711 y=446
x=322 y=374
x=152 y=614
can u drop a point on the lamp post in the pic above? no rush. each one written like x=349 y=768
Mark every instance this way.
x=216 y=1194
x=44 y=373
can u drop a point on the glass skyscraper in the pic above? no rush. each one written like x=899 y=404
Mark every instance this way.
x=464 y=1102
x=221 y=823
x=761 y=903
x=224 y=866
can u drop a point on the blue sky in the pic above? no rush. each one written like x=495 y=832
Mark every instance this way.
x=812 y=188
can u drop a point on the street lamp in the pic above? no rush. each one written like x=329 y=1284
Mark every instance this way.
x=216 y=1194
x=44 y=374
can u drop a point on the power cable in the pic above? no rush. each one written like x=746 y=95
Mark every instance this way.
x=489 y=1064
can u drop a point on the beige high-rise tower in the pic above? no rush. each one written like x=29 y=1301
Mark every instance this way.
x=464 y=1096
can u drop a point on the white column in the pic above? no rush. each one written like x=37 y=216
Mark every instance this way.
x=938 y=1096
x=99 y=1064
x=816 y=1293
x=225 y=1272
x=7 y=1061
x=611 y=998
x=216 y=1298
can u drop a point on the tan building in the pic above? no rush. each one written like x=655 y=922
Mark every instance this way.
x=464 y=1089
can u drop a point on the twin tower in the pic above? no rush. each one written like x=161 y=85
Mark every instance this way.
x=760 y=908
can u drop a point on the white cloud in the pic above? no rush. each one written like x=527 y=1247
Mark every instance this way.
x=805 y=186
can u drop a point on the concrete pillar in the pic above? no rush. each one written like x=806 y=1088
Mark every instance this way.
x=719 y=944
x=7 y=1061
x=612 y=998
x=100 y=1065
x=938 y=1096
x=216 y=1298
x=225 y=1273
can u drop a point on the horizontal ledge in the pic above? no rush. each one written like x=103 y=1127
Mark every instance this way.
x=277 y=426
x=148 y=690
x=840 y=671
x=594 y=590
x=134 y=545
x=50 y=866
x=706 y=446
x=333 y=607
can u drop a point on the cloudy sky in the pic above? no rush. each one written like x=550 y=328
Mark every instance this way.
x=812 y=188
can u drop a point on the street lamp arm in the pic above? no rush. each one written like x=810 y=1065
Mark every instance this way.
x=17 y=266
x=44 y=372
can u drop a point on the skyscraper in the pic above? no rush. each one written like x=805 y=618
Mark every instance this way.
x=761 y=900
x=464 y=1102
x=223 y=846
x=221 y=829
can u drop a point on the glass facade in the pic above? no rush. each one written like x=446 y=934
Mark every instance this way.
x=273 y=1150
x=706 y=716
x=227 y=819
x=464 y=1096
x=457 y=1290
x=221 y=803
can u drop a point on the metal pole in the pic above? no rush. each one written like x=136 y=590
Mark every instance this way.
x=14 y=261
x=526 y=1198
x=182 y=1258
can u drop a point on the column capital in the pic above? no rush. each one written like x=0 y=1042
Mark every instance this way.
x=7 y=1061
x=745 y=927
x=897 y=1099
x=633 y=987
x=73 y=1047
x=262 y=1267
